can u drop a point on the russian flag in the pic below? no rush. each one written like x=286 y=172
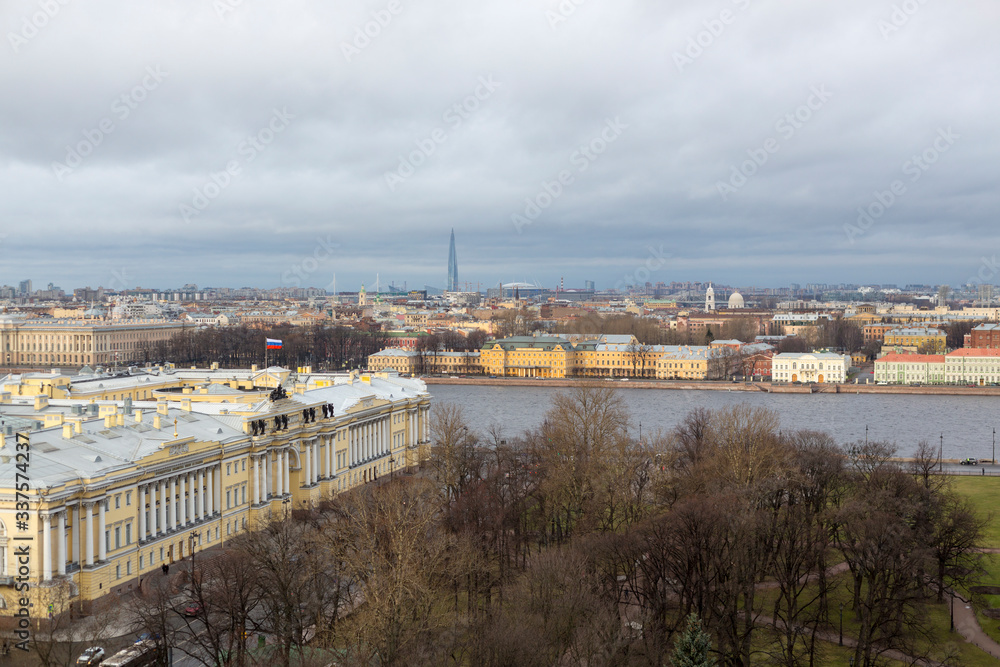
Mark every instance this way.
x=273 y=344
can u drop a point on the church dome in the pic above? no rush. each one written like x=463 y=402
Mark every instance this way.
x=736 y=300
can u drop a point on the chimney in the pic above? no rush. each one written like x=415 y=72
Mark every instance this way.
x=138 y=416
x=162 y=407
x=156 y=422
x=186 y=404
x=67 y=430
x=109 y=421
x=78 y=426
x=41 y=402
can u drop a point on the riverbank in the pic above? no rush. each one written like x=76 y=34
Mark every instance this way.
x=766 y=387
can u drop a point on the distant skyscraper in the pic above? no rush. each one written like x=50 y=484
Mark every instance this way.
x=452 y=266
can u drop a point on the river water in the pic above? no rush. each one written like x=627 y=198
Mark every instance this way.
x=967 y=422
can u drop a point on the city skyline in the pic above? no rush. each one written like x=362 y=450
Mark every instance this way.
x=746 y=143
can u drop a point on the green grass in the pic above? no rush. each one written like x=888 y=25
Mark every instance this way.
x=985 y=493
x=938 y=615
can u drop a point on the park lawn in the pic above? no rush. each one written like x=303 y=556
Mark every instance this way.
x=941 y=640
x=985 y=493
x=991 y=577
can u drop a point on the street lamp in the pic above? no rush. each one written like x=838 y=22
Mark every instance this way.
x=940 y=452
x=953 y=610
x=994 y=459
x=392 y=470
x=841 y=642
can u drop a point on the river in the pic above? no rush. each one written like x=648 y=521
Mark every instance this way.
x=967 y=422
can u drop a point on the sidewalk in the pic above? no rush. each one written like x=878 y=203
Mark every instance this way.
x=968 y=626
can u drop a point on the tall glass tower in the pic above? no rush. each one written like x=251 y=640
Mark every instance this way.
x=452 y=265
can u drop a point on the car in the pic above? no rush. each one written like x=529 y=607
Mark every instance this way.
x=147 y=636
x=193 y=609
x=969 y=462
x=91 y=657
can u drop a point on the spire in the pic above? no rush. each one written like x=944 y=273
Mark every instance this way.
x=452 y=285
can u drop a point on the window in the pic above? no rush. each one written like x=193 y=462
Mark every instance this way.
x=244 y=465
x=107 y=540
x=128 y=498
x=228 y=472
x=118 y=571
x=118 y=537
x=128 y=566
x=128 y=533
x=140 y=561
x=229 y=503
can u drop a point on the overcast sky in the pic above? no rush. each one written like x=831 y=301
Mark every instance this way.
x=232 y=143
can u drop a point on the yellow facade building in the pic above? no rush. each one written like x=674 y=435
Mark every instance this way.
x=96 y=493
x=606 y=356
x=26 y=342
x=925 y=339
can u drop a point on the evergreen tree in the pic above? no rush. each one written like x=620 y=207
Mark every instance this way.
x=692 y=647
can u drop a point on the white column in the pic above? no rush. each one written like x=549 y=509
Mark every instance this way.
x=142 y=513
x=350 y=446
x=102 y=543
x=195 y=498
x=78 y=534
x=331 y=470
x=211 y=491
x=152 y=510
x=201 y=493
x=266 y=474
x=61 y=565
x=256 y=480
x=287 y=485
x=181 y=501
x=314 y=448
x=46 y=547
x=191 y=479
x=173 y=503
x=162 y=523
x=307 y=468
x=279 y=473
x=88 y=521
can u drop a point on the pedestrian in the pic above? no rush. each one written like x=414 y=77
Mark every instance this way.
x=984 y=472
x=165 y=568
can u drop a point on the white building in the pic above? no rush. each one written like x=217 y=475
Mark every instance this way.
x=818 y=367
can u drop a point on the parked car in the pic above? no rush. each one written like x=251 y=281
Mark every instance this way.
x=91 y=657
x=970 y=462
x=193 y=609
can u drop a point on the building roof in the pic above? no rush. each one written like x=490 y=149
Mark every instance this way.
x=895 y=357
x=974 y=352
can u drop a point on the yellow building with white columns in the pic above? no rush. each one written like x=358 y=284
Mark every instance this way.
x=105 y=492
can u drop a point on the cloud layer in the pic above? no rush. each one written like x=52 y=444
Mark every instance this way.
x=223 y=142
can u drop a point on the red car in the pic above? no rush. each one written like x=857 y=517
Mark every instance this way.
x=193 y=609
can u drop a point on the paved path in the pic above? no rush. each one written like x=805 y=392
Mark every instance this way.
x=834 y=638
x=968 y=626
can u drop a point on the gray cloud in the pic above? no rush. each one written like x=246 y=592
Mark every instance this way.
x=892 y=88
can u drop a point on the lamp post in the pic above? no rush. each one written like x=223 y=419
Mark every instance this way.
x=953 y=611
x=940 y=453
x=994 y=459
x=392 y=469
x=841 y=642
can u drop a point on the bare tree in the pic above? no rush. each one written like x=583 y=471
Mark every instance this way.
x=456 y=458
x=925 y=460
